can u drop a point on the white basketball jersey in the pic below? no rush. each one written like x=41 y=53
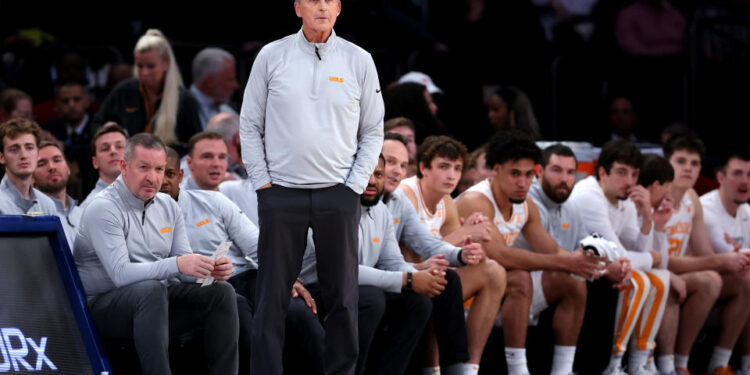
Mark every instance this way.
x=433 y=220
x=511 y=228
x=679 y=227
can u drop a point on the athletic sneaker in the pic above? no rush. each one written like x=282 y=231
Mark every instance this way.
x=723 y=371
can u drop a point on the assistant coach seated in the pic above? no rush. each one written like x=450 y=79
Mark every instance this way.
x=132 y=251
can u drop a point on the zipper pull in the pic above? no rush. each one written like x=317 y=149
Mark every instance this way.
x=316 y=53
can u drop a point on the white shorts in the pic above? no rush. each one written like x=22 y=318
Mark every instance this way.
x=538 y=301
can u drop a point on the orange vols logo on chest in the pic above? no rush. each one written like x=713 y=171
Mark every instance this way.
x=336 y=79
x=202 y=223
x=375 y=239
x=566 y=226
x=165 y=230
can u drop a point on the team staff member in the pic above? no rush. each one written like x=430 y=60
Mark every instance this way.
x=19 y=150
x=51 y=177
x=311 y=128
x=130 y=248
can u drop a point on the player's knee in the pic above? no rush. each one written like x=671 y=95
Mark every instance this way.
x=495 y=274
x=572 y=288
x=711 y=283
x=519 y=284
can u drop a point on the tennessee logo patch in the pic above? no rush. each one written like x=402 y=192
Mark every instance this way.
x=336 y=79
x=131 y=110
x=202 y=223
x=566 y=226
x=376 y=239
x=396 y=221
x=165 y=230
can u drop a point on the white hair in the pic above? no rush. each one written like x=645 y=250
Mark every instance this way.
x=165 y=118
x=226 y=124
x=209 y=61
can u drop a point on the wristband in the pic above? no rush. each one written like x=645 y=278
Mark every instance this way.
x=460 y=257
x=408 y=281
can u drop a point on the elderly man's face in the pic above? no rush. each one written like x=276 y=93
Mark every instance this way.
x=318 y=16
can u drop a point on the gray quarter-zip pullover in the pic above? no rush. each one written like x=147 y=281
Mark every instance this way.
x=123 y=240
x=210 y=219
x=13 y=203
x=312 y=115
x=380 y=261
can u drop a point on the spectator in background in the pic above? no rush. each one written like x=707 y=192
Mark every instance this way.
x=622 y=119
x=422 y=79
x=509 y=107
x=674 y=130
x=214 y=82
x=650 y=28
x=154 y=101
x=413 y=101
x=405 y=127
x=14 y=104
x=475 y=170
x=74 y=129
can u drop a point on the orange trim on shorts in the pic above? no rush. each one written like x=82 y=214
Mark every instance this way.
x=469 y=301
x=632 y=309
x=643 y=337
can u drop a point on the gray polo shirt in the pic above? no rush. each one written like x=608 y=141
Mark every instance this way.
x=123 y=240
x=100 y=185
x=13 y=203
x=560 y=220
x=242 y=193
x=312 y=115
x=380 y=261
x=210 y=219
x=70 y=217
x=413 y=233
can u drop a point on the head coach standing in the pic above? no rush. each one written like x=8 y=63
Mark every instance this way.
x=311 y=127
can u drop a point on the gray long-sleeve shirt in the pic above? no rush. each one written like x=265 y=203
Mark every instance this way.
x=414 y=234
x=242 y=193
x=380 y=261
x=100 y=185
x=312 y=115
x=70 y=217
x=560 y=220
x=123 y=240
x=210 y=219
x=13 y=203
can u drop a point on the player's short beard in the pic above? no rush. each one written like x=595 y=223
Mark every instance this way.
x=551 y=191
x=51 y=188
x=369 y=203
x=517 y=201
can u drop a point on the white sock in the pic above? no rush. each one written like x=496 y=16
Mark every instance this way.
x=746 y=364
x=562 y=360
x=665 y=363
x=516 y=360
x=681 y=361
x=431 y=370
x=615 y=360
x=719 y=358
x=637 y=360
x=471 y=368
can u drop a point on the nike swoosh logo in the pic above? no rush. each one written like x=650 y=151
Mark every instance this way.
x=377 y=91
